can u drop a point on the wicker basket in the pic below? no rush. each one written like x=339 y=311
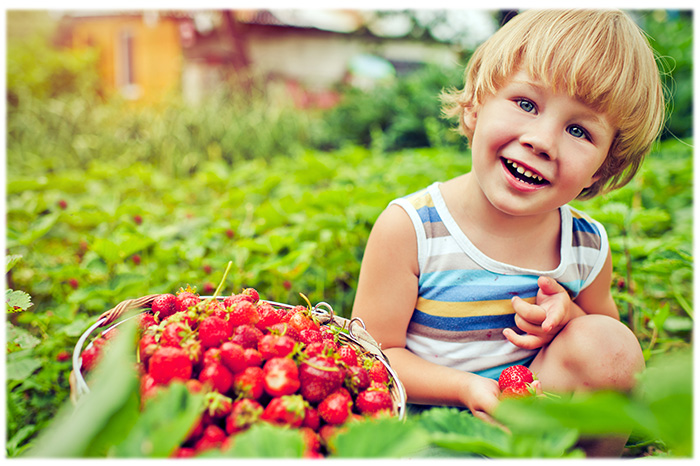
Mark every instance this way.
x=354 y=334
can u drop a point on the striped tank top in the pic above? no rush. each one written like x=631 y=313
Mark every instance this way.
x=464 y=297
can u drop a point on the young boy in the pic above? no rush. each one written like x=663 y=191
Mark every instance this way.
x=493 y=268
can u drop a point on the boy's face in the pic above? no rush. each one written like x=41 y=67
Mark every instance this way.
x=534 y=150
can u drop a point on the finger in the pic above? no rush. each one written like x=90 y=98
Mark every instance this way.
x=526 y=341
x=549 y=285
x=530 y=312
x=528 y=327
x=484 y=416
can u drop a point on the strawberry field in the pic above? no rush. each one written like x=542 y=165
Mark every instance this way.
x=107 y=201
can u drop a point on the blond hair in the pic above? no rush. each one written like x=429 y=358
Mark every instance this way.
x=600 y=57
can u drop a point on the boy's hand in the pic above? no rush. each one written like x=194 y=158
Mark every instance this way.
x=543 y=320
x=481 y=396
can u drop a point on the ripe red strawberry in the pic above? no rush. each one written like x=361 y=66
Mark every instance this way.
x=164 y=306
x=147 y=346
x=217 y=405
x=244 y=413
x=281 y=376
x=249 y=383
x=147 y=387
x=336 y=407
x=220 y=378
x=356 y=379
x=233 y=356
x=243 y=312
x=311 y=418
x=347 y=355
x=251 y=293
x=319 y=377
x=269 y=315
x=92 y=354
x=212 y=437
x=186 y=299
x=168 y=363
x=309 y=335
x=301 y=320
x=283 y=328
x=515 y=382
x=285 y=410
x=173 y=333
x=213 y=331
x=252 y=357
x=378 y=374
x=273 y=346
x=373 y=400
x=312 y=443
x=146 y=320
x=247 y=336
x=211 y=356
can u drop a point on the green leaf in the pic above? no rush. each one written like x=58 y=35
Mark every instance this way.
x=164 y=424
x=20 y=338
x=17 y=301
x=21 y=365
x=12 y=260
x=380 y=438
x=114 y=385
x=266 y=441
x=38 y=228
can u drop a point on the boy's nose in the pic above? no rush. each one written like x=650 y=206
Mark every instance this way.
x=540 y=138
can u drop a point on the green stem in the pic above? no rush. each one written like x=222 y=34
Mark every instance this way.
x=223 y=279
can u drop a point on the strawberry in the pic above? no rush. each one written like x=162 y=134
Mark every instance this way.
x=213 y=331
x=243 y=312
x=311 y=418
x=347 y=355
x=252 y=293
x=312 y=443
x=244 y=413
x=146 y=320
x=356 y=379
x=147 y=386
x=186 y=299
x=173 y=333
x=247 y=336
x=168 y=363
x=319 y=377
x=285 y=410
x=373 y=400
x=212 y=437
x=249 y=383
x=273 y=346
x=515 y=382
x=269 y=316
x=378 y=374
x=220 y=378
x=283 y=328
x=217 y=405
x=309 y=335
x=233 y=356
x=302 y=320
x=281 y=376
x=184 y=452
x=92 y=354
x=252 y=357
x=336 y=407
x=211 y=356
x=147 y=346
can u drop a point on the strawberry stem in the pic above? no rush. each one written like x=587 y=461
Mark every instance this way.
x=306 y=299
x=223 y=279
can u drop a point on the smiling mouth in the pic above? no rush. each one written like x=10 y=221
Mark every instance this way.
x=523 y=174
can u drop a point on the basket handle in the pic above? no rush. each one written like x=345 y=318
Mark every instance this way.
x=118 y=310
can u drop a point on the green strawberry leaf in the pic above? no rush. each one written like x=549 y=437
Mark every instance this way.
x=264 y=440
x=379 y=438
x=17 y=301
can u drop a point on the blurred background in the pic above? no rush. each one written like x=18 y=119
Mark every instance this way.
x=147 y=149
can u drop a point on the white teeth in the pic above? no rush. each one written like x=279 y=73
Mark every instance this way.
x=524 y=171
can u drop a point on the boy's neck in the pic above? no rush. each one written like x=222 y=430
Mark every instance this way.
x=531 y=241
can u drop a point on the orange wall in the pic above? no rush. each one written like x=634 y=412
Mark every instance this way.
x=157 y=55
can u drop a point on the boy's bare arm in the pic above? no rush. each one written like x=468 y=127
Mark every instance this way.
x=385 y=300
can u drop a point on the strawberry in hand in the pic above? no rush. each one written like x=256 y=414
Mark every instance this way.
x=517 y=382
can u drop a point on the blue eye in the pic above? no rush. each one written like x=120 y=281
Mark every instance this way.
x=578 y=132
x=526 y=105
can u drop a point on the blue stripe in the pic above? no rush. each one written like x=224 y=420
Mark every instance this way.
x=463 y=323
x=475 y=285
x=580 y=224
x=429 y=214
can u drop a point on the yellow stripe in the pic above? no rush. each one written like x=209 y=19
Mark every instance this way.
x=467 y=309
x=419 y=200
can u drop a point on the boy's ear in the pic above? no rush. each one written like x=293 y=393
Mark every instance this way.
x=469 y=116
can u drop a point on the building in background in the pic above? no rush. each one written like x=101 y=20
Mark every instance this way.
x=149 y=55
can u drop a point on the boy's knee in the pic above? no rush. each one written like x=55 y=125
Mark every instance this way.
x=602 y=351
